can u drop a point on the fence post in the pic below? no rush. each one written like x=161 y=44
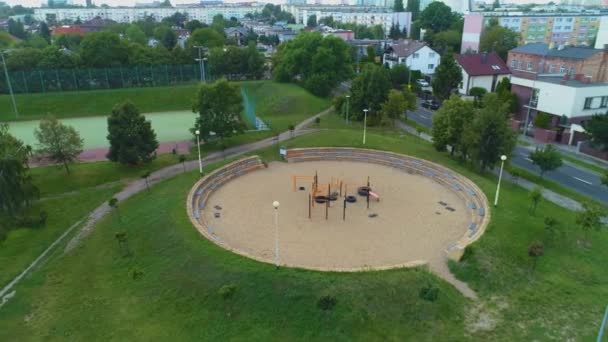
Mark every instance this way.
x=58 y=80
x=24 y=81
x=122 y=79
x=107 y=78
x=41 y=80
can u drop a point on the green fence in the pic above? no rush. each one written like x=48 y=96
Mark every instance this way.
x=42 y=81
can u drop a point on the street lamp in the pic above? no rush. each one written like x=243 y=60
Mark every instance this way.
x=10 y=86
x=502 y=164
x=347 y=98
x=364 y=124
x=276 y=204
x=198 y=144
x=204 y=76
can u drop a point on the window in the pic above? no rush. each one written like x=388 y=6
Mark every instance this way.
x=604 y=102
x=514 y=63
x=519 y=64
x=562 y=69
x=551 y=68
x=431 y=54
x=588 y=102
x=558 y=27
x=559 y=20
x=567 y=27
x=431 y=66
x=529 y=66
x=415 y=55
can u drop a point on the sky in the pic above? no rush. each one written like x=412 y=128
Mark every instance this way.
x=37 y=3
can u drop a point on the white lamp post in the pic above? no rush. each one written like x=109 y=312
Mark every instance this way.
x=502 y=164
x=364 y=124
x=198 y=144
x=347 y=98
x=276 y=204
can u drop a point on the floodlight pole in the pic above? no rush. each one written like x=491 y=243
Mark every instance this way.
x=10 y=87
x=364 y=124
x=201 y=62
x=276 y=204
x=198 y=144
x=347 y=118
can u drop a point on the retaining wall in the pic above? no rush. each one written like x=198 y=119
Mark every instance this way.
x=463 y=187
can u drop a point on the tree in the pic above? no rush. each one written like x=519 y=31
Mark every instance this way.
x=44 y=31
x=145 y=177
x=193 y=25
x=369 y=90
x=312 y=21
x=36 y=41
x=477 y=93
x=136 y=35
x=449 y=123
x=536 y=195
x=589 y=218
x=489 y=136
x=5 y=40
x=398 y=6
x=597 y=127
x=219 y=105
x=166 y=3
x=399 y=76
x=498 y=39
x=547 y=159
x=318 y=62
x=166 y=36
x=60 y=143
x=16 y=28
x=550 y=228
x=413 y=6
x=605 y=178
x=182 y=160
x=447 y=76
x=444 y=41
x=132 y=139
x=394 y=106
x=16 y=188
x=535 y=250
x=113 y=203
x=102 y=49
x=23 y=59
x=437 y=16
x=206 y=37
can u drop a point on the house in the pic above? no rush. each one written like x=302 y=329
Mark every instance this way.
x=340 y=33
x=237 y=33
x=414 y=54
x=567 y=82
x=481 y=70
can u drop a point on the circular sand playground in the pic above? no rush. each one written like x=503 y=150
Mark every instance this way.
x=417 y=214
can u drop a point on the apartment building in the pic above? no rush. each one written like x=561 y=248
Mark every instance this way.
x=556 y=28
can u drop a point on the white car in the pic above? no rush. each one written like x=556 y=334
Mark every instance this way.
x=422 y=82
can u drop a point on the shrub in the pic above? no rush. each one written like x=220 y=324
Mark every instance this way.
x=542 y=120
x=317 y=120
x=227 y=291
x=429 y=293
x=327 y=303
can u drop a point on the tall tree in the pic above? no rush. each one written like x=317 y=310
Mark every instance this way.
x=437 y=16
x=219 y=106
x=447 y=77
x=104 y=48
x=16 y=28
x=598 y=128
x=398 y=6
x=192 y=25
x=312 y=21
x=589 y=218
x=60 y=143
x=369 y=90
x=16 y=188
x=449 y=123
x=132 y=139
x=547 y=159
x=136 y=35
x=499 y=39
x=489 y=136
x=44 y=31
x=399 y=75
x=166 y=36
x=206 y=37
x=413 y=6
x=394 y=106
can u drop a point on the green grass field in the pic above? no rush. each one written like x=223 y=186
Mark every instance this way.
x=90 y=295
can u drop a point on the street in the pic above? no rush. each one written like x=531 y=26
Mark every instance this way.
x=573 y=177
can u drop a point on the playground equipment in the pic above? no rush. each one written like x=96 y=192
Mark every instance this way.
x=323 y=194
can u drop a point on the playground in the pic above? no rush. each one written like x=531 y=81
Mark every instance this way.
x=326 y=221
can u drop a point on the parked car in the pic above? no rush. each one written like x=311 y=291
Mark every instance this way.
x=430 y=104
x=422 y=83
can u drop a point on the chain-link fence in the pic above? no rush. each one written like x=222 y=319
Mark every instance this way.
x=42 y=81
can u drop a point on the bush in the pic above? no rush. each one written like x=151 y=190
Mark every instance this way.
x=317 y=120
x=429 y=293
x=327 y=303
x=542 y=120
x=227 y=291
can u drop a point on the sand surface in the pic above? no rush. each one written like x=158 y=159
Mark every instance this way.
x=411 y=225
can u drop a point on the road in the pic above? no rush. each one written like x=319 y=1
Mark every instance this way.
x=573 y=177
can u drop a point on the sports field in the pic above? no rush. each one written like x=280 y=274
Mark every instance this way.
x=169 y=126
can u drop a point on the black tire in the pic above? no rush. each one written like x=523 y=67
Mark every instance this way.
x=351 y=199
x=363 y=190
x=321 y=199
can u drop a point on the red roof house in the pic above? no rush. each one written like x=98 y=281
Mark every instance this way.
x=481 y=70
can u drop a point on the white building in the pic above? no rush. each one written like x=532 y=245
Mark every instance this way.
x=360 y=15
x=481 y=70
x=414 y=54
x=130 y=14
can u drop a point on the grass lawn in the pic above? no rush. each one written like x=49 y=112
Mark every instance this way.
x=590 y=166
x=90 y=294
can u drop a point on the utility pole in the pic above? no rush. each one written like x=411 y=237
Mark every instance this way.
x=10 y=87
x=201 y=60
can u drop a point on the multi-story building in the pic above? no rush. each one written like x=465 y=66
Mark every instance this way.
x=414 y=54
x=360 y=15
x=203 y=14
x=568 y=83
x=557 y=28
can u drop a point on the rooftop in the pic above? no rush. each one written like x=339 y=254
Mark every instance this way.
x=570 y=52
x=479 y=64
x=406 y=47
x=571 y=82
